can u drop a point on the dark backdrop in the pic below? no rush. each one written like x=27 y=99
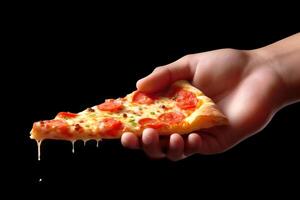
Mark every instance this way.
x=70 y=62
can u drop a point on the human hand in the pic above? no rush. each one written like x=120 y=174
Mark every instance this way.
x=246 y=86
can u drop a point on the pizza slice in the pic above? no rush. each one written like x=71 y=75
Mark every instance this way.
x=181 y=109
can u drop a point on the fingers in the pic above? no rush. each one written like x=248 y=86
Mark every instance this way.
x=193 y=144
x=163 y=76
x=130 y=140
x=176 y=148
x=151 y=144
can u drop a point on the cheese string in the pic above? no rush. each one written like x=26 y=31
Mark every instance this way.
x=73 y=144
x=39 y=142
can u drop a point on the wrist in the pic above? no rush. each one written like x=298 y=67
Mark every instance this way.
x=263 y=59
x=284 y=59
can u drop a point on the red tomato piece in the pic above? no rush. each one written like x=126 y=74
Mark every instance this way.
x=65 y=130
x=150 y=123
x=66 y=115
x=111 y=126
x=61 y=126
x=142 y=98
x=171 y=117
x=54 y=123
x=111 y=105
x=185 y=99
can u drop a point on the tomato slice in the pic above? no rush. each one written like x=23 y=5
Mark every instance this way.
x=150 y=123
x=54 y=123
x=142 y=98
x=66 y=115
x=110 y=126
x=171 y=117
x=111 y=105
x=59 y=126
x=185 y=99
x=65 y=130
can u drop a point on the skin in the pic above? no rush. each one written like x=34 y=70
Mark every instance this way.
x=249 y=87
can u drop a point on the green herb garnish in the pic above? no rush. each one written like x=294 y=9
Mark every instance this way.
x=133 y=123
x=152 y=113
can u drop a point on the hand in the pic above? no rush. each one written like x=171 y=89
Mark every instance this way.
x=245 y=86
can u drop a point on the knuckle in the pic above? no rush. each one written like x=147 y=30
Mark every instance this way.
x=158 y=68
x=187 y=58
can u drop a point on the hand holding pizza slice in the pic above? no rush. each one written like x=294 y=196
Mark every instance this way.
x=244 y=84
x=249 y=87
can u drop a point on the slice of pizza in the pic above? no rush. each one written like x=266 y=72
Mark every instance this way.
x=180 y=109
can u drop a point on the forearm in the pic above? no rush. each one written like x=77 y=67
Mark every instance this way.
x=285 y=56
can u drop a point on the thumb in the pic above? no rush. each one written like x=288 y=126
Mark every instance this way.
x=163 y=76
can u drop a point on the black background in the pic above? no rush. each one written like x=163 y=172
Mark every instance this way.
x=67 y=60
